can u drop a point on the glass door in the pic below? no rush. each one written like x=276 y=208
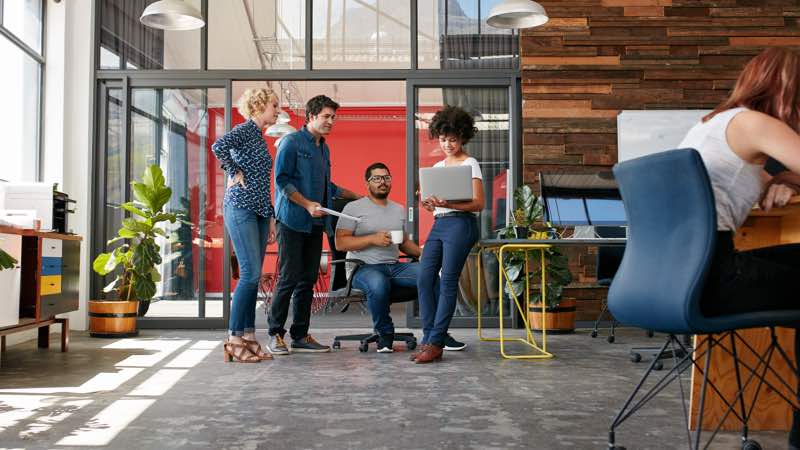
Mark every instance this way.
x=490 y=103
x=172 y=128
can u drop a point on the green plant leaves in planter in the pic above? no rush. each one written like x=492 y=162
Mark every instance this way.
x=6 y=261
x=138 y=258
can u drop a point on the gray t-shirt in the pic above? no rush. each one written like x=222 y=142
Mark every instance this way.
x=374 y=218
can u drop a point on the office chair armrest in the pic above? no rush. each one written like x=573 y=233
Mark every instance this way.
x=358 y=264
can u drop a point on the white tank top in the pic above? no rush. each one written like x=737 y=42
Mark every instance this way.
x=737 y=184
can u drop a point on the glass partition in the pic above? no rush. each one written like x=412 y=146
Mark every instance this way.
x=174 y=129
x=362 y=34
x=128 y=44
x=453 y=34
x=256 y=34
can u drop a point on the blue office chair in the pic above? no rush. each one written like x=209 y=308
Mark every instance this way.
x=659 y=285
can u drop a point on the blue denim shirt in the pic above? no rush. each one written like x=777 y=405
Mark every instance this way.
x=243 y=149
x=302 y=166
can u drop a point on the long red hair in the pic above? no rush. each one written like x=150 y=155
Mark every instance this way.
x=769 y=83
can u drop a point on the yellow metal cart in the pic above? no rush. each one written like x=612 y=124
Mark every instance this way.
x=499 y=247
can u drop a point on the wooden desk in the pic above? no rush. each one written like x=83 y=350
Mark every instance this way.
x=49 y=282
x=761 y=229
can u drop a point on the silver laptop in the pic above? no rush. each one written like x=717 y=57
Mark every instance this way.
x=447 y=183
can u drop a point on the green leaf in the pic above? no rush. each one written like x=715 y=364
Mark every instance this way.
x=144 y=194
x=163 y=217
x=155 y=275
x=153 y=177
x=129 y=206
x=105 y=263
x=144 y=288
x=6 y=261
x=134 y=227
x=110 y=286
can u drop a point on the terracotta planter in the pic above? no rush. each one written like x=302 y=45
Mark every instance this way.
x=560 y=319
x=112 y=319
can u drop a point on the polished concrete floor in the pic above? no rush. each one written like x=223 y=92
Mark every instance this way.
x=171 y=389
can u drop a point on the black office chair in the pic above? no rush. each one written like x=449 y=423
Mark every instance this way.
x=341 y=291
x=608 y=259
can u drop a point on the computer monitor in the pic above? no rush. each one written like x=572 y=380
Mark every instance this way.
x=582 y=199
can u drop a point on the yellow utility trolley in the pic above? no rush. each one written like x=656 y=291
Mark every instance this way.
x=499 y=247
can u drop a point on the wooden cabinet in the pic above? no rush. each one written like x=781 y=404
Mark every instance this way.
x=50 y=272
x=49 y=276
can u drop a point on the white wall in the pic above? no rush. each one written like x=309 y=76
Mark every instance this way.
x=68 y=106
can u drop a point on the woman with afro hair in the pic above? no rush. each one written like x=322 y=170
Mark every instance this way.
x=454 y=232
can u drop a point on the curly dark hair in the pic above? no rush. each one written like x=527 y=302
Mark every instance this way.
x=452 y=121
x=315 y=104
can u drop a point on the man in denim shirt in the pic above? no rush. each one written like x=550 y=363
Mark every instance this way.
x=303 y=184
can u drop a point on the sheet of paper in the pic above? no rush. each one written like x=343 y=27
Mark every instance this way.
x=338 y=214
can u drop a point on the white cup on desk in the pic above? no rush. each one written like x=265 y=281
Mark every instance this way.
x=397 y=236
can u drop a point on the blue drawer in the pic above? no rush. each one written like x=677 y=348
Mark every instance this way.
x=51 y=265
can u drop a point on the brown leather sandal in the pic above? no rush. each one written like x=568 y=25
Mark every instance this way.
x=235 y=351
x=255 y=348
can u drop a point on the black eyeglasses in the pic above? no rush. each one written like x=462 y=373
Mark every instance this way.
x=379 y=178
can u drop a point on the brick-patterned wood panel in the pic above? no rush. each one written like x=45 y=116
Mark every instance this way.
x=597 y=57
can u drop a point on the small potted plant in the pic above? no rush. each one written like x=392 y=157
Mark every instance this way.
x=560 y=311
x=558 y=318
x=137 y=259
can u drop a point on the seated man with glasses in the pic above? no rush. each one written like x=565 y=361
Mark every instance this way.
x=370 y=240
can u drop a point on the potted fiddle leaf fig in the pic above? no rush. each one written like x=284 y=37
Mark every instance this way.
x=135 y=262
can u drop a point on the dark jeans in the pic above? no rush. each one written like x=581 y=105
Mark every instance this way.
x=248 y=232
x=377 y=280
x=446 y=248
x=754 y=280
x=298 y=255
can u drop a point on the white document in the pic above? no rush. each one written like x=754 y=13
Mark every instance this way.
x=338 y=214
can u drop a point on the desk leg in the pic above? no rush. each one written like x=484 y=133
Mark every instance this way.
x=2 y=348
x=64 y=334
x=480 y=331
x=44 y=337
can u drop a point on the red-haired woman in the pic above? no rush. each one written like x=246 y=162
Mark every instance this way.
x=760 y=120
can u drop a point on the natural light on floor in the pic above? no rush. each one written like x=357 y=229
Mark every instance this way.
x=37 y=409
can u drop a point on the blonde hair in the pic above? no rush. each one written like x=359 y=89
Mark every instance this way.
x=255 y=101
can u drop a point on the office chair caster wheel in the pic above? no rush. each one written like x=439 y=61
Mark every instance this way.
x=635 y=357
x=750 y=444
x=610 y=339
x=594 y=334
x=363 y=347
x=411 y=345
x=658 y=365
x=650 y=333
x=337 y=344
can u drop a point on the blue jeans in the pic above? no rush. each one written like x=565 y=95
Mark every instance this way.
x=377 y=280
x=447 y=248
x=248 y=232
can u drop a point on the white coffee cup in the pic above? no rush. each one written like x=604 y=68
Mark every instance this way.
x=397 y=236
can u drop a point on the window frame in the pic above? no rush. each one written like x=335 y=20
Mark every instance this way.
x=39 y=58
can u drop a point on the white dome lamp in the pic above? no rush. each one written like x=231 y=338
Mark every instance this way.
x=172 y=15
x=279 y=130
x=514 y=14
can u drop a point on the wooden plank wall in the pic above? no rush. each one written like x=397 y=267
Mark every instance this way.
x=597 y=57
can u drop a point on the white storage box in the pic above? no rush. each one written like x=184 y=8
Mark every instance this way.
x=36 y=196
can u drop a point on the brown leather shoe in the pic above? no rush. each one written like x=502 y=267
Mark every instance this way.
x=418 y=352
x=431 y=354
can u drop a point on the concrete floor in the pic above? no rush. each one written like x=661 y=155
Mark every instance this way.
x=171 y=389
